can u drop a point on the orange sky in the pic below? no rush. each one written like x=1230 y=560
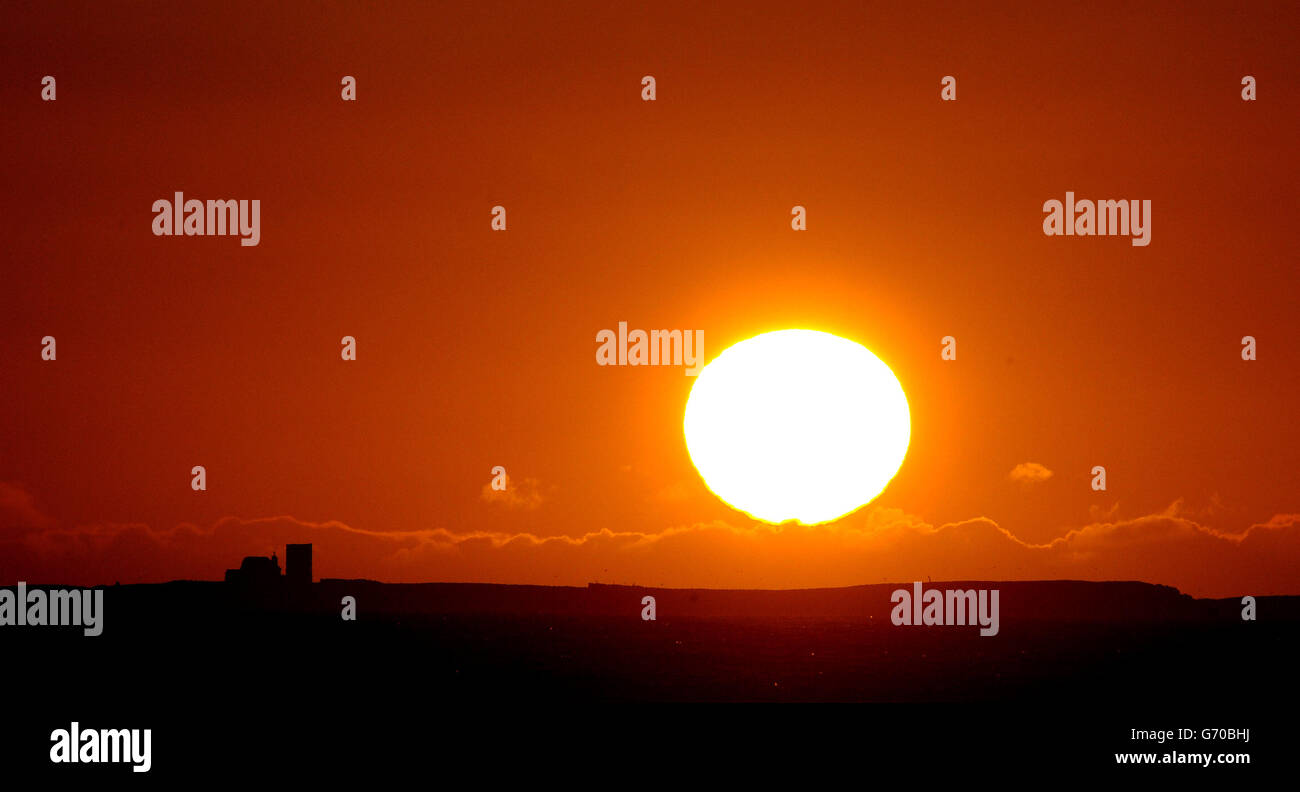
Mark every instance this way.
x=476 y=348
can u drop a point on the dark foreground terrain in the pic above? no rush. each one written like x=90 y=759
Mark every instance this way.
x=224 y=674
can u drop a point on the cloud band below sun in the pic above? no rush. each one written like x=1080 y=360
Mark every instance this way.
x=875 y=545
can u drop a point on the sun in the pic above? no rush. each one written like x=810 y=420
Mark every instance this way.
x=797 y=425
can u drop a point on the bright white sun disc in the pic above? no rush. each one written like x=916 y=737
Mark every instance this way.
x=797 y=425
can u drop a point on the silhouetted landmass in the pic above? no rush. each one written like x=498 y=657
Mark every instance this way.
x=1120 y=641
x=1060 y=600
x=258 y=671
x=1055 y=600
x=230 y=675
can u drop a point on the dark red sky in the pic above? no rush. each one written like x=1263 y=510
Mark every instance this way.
x=476 y=348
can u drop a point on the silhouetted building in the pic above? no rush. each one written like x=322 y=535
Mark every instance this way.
x=297 y=564
x=256 y=570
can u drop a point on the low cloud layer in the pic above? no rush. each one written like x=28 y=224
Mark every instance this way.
x=874 y=545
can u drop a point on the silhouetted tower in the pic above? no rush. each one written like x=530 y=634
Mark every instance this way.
x=297 y=564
